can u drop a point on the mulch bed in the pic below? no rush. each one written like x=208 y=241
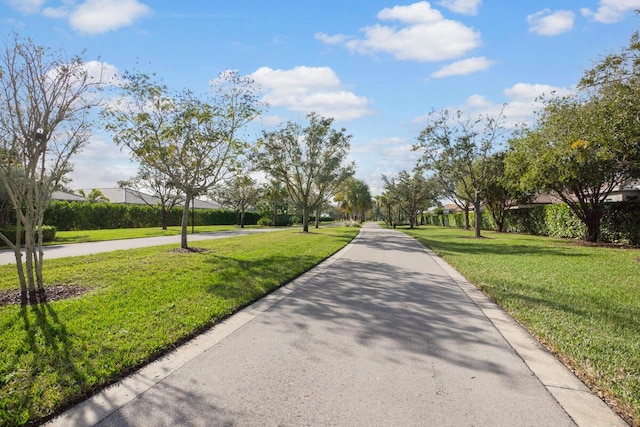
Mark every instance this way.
x=52 y=293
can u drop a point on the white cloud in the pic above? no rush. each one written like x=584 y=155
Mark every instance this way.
x=523 y=101
x=327 y=39
x=101 y=16
x=611 y=11
x=464 y=67
x=424 y=36
x=548 y=23
x=101 y=164
x=26 y=6
x=466 y=7
x=306 y=89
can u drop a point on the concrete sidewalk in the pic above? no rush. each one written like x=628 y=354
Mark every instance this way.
x=78 y=249
x=382 y=333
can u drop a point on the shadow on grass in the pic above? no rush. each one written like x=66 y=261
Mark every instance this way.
x=48 y=342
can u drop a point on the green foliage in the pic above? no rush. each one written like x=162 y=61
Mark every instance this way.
x=309 y=161
x=620 y=222
x=48 y=233
x=95 y=216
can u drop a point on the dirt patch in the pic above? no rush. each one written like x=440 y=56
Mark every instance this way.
x=189 y=250
x=52 y=293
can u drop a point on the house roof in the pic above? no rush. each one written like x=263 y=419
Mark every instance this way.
x=66 y=196
x=131 y=197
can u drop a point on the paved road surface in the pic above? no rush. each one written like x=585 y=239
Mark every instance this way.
x=383 y=333
x=75 y=249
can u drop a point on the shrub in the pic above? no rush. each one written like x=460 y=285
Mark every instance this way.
x=48 y=233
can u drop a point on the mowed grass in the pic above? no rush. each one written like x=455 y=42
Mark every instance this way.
x=583 y=302
x=83 y=236
x=139 y=304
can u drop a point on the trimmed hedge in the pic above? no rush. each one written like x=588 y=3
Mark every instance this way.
x=95 y=216
x=620 y=223
x=48 y=234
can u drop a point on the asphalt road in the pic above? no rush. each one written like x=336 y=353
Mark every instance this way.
x=383 y=333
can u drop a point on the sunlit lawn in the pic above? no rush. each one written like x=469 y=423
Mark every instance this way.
x=140 y=302
x=582 y=301
x=82 y=236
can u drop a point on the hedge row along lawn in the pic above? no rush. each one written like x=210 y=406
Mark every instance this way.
x=582 y=301
x=138 y=305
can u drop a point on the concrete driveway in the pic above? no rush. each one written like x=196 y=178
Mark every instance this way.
x=383 y=333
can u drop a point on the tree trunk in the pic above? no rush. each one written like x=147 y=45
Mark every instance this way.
x=478 y=216
x=185 y=222
x=467 y=223
x=305 y=219
x=164 y=218
x=275 y=211
x=241 y=219
x=593 y=227
x=317 y=218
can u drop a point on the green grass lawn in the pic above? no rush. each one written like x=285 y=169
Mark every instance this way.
x=133 y=233
x=581 y=301
x=138 y=305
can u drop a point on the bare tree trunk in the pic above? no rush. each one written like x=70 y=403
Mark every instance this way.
x=317 y=218
x=164 y=218
x=305 y=219
x=478 y=217
x=467 y=223
x=185 y=222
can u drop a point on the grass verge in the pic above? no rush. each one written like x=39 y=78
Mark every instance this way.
x=83 y=236
x=140 y=304
x=582 y=302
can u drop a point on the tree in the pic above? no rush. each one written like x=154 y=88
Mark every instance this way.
x=580 y=150
x=457 y=149
x=44 y=121
x=239 y=193
x=94 y=196
x=194 y=142
x=354 y=198
x=159 y=186
x=503 y=193
x=307 y=161
x=412 y=193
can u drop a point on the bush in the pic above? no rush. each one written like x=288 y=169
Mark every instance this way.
x=48 y=234
x=265 y=221
x=95 y=216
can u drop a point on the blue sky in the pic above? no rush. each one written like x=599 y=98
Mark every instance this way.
x=378 y=67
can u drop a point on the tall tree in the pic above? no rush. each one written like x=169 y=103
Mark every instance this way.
x=412 y=193
x=44 y=121
x=458 y=149
x=354 y=198
x=504 y=192
x=239 y=193
x=192 y=141
x=580 y=151
x=308 y=161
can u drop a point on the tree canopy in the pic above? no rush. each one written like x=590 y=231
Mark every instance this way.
x=457 y=149
x=44 y=121
x=308 y=160
x=195 y=142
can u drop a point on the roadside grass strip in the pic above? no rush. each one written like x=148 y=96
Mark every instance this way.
x=140 y=304
x=83 y=236
x=581 y=301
